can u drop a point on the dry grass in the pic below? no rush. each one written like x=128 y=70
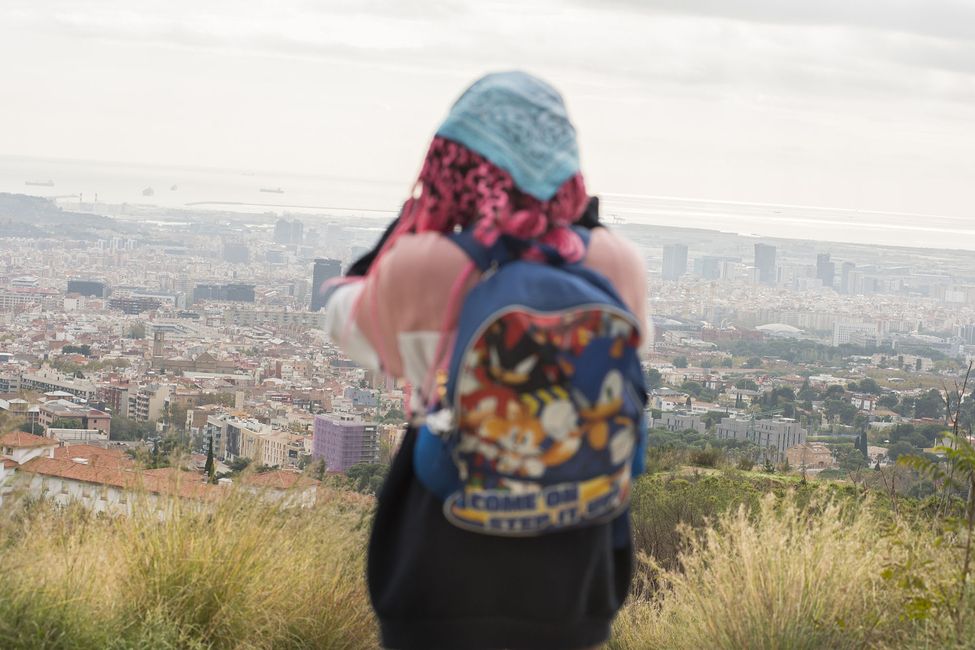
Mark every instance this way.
x=791 y=569
x=238 y=574
x=822 y=576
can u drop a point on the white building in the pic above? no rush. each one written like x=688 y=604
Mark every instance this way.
x=16 y=448
x=845 y=331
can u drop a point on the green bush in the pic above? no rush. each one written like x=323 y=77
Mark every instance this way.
x=707 y=457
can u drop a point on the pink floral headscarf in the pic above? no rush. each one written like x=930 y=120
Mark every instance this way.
x=458 y=187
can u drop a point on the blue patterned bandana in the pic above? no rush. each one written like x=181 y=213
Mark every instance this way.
x=519 y=123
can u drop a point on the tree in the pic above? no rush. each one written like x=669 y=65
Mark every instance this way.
x=746 y=384
x=680 y=362
x=752 y=362
x=698 y=390
x=834 y=391
x=888 y=401
x=905 y=407
x=929 y=405
x=848 y=457
x=869 y=385
x=84 y=350
x=727 y=363
x=899 y=449
x=837 y=408
x=176 y=416
x=394 y=416
x=862 y=445
x=67 y=423
x=239 y=464
x=137 y=331
x=367 y=478
x=959 y=475
x=654 y=380
x=806 y=392
x=210 y=467
x=129 y=429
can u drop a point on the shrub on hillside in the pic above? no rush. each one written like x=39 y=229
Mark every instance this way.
x=707 y=457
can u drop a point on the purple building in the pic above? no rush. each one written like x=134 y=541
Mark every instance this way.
x=344 y=443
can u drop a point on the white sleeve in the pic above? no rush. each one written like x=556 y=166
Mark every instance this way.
x=342 y=329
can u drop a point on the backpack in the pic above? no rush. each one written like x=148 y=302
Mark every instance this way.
x=540 y=421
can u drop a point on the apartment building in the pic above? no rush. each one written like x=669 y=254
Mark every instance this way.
x=48 y=380
x=343 y=441
x=679 y=422
x=773 y=437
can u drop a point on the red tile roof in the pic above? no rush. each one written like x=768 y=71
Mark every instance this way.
x=21 y=440
x=112 y=475
x=95 y=455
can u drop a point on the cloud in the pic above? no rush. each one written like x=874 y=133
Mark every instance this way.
x=954 y=19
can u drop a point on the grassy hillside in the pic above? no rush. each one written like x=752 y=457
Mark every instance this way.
x=242 y=575
x=727 y=559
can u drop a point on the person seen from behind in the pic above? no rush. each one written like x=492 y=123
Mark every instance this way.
x=515 y=319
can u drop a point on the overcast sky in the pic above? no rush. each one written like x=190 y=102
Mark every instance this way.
x=866 y=104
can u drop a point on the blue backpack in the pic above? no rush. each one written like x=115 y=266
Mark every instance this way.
x=540 y=424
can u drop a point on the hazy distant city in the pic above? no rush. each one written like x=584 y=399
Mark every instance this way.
x=137 y=323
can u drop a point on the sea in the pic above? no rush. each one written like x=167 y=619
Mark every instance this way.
x=251 y=191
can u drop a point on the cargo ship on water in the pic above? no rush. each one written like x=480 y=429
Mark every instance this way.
x=272 y=190
x=47 y=183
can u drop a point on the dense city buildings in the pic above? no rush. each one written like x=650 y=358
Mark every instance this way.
x=151 y=338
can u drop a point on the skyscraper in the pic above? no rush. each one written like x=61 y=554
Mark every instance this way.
x=708 y=267
x=325 y=269
x=825 y=270
x=675 y=261
x=288 y=232
x=846 y=278
x=765 y=263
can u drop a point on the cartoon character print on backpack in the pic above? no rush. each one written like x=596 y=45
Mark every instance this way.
x=525 y=409
x=511 y=371
x=605 y=410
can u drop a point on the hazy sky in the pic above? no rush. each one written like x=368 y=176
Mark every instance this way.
x=864 y=104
